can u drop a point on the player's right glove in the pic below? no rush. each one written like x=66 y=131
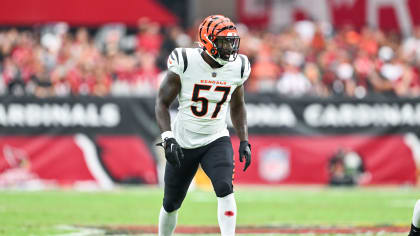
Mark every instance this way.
x=173 y=152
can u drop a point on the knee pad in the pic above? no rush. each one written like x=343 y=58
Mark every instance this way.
x=222 y=188
x=170 y=205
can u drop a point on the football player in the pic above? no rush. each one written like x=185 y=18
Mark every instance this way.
x=207 y=80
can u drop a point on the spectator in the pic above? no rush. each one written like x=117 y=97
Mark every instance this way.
x=145 y=78
x=264 y=73
x=293 y=82
x=311 y=71
x=149 y=38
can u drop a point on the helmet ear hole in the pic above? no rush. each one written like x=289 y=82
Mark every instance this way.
x=213 y=51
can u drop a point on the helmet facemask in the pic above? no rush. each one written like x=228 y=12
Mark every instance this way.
x=227 y=47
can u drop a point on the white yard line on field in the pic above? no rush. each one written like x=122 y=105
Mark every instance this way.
x=80 y=231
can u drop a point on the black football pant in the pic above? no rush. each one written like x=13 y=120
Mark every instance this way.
x=216 y=159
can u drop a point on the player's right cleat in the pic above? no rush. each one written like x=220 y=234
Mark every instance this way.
x=414 y=231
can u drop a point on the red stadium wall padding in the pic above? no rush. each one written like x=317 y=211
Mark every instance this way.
x=127 y=158
x=49 y=158
x=305 y=160
x=73 y=158
x=81 y=12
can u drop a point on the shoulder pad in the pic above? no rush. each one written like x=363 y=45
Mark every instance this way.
x=178 y=61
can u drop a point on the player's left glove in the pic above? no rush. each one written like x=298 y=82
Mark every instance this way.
x=245 y=152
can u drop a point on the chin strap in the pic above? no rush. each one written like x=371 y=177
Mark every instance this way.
x=218 y=60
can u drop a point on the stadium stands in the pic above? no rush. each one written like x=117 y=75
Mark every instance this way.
x=305 y=59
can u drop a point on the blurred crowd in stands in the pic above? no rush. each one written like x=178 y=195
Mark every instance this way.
x=306 y=59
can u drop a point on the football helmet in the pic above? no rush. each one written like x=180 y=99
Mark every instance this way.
x=217 y=35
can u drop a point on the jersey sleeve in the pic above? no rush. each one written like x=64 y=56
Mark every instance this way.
x=176 y=62
x=245 y=68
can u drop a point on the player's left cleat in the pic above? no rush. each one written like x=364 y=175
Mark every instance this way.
x=414 y=231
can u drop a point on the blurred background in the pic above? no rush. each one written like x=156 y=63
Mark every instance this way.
x=333 y=97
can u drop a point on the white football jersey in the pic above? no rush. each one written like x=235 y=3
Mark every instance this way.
x=205 y=95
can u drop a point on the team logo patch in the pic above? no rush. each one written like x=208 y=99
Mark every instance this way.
x=214 y=74
x=274 y=164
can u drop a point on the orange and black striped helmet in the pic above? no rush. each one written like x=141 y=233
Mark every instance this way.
x=218 y=36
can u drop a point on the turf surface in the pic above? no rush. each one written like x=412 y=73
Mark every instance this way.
x=41 y=212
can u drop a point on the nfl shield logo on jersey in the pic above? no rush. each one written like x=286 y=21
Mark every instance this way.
x=274 y=164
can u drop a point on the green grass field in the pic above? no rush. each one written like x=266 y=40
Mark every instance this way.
x=50 y=212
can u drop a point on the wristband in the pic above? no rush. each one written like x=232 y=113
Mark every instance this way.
x=167 y=134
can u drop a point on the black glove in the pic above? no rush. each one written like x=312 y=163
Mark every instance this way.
x=173 y=152
x=245 y=151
